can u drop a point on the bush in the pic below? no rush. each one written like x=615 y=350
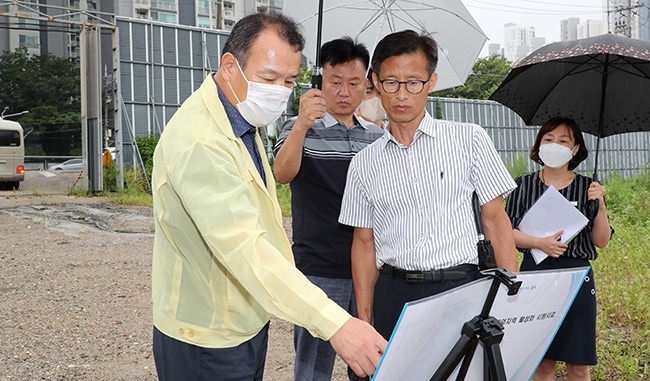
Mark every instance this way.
x=136 y=181
x=147 y=146
x=110 y=178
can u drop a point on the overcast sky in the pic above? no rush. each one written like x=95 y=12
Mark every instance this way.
x=544 y=15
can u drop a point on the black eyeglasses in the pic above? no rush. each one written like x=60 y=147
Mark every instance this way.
x=413 y=86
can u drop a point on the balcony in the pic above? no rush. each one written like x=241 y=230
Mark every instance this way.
x=229 y=14
x=164 y=5
x=142 y=5
x=262 y=4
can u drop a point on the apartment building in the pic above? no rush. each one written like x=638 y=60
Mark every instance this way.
x=63 y=40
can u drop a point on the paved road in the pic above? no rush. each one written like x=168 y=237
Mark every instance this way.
x=46 y=182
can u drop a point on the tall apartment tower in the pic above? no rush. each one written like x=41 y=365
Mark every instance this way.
x=40 y=37
x=217 y=14
x=519 y=41
x=569 y=29
x=591 y=28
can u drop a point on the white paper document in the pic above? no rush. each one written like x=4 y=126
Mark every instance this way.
x=550 y=214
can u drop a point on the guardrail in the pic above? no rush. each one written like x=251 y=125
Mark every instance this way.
x=42 y=163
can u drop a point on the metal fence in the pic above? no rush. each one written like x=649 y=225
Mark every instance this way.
x=625 y=154
x=160 y=65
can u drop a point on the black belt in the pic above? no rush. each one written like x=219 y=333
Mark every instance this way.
x=452 y=273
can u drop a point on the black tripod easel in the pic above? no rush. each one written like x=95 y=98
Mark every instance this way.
x=484 y=328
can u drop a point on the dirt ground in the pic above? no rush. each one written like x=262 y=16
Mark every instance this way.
x=75 y=288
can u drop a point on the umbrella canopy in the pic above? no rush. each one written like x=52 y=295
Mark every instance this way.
x=606 y=77
x=602 y=82
x=459 y=37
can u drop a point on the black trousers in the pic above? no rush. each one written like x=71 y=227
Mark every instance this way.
x=180 y=361
x=392 y=293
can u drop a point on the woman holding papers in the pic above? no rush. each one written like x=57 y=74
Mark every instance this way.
x=560 y=147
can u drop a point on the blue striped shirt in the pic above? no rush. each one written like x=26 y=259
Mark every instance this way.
x=418 y=198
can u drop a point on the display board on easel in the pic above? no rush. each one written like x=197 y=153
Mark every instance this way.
x=429 y=328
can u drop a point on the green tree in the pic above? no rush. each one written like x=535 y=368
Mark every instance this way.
x=49 y=88
x=304 y=78
x=487 y=74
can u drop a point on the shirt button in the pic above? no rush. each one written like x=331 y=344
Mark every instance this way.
x=181 y=331
x=317 y=332
x=190 y=333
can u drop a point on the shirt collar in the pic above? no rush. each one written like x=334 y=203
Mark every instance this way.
x=427 y=127
x=330 y=121
x=239 y=125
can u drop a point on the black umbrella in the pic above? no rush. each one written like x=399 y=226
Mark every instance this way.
x=602 y=82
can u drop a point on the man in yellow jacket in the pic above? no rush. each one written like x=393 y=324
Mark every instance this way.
x=222 y=264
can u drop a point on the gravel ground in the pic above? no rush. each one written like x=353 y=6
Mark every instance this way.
x=75 y=288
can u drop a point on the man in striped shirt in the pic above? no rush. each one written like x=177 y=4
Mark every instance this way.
x=313 y=153
x=409 y=194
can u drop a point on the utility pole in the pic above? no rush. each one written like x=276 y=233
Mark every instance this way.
x=625 y=15
x=107 y=99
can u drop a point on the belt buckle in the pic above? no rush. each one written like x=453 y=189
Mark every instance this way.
x=414 y=277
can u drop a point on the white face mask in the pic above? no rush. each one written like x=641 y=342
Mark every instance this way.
x=555 y=155
x=264 y=103
x=371 y=109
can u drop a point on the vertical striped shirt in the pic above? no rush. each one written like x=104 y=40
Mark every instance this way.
x=418 y=198
x=530 y=188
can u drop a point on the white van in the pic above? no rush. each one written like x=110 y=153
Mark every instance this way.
x=12 y=154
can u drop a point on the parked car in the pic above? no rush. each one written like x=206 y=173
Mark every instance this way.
x=69 y=165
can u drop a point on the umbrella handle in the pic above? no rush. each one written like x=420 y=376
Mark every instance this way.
x=593 y=205
x=316 y=79
x=592 y=208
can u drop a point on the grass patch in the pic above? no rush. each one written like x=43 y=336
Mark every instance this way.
x=519 y=166
x=130 y=197
x=284 y=198
x=622 y=273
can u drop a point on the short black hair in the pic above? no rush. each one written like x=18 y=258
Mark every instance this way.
x=343 y=50
x=405 y=42
x=552 y=124
x=248 y=29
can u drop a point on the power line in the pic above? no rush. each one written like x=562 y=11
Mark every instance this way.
x=564 y=13
x=509 y=8
x=600 y=7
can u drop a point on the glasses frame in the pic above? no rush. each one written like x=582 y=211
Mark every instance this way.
x=405 y=83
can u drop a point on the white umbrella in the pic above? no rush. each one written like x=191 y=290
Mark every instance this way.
x=459 y=37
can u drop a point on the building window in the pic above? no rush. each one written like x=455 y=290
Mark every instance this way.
x=206 y=7
x=34 y=7
x=167 y=5
x=206 y=22
x=164 y=17
x=228 y=25
x=30 y=42
x=229 y=10
x=27 y=23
